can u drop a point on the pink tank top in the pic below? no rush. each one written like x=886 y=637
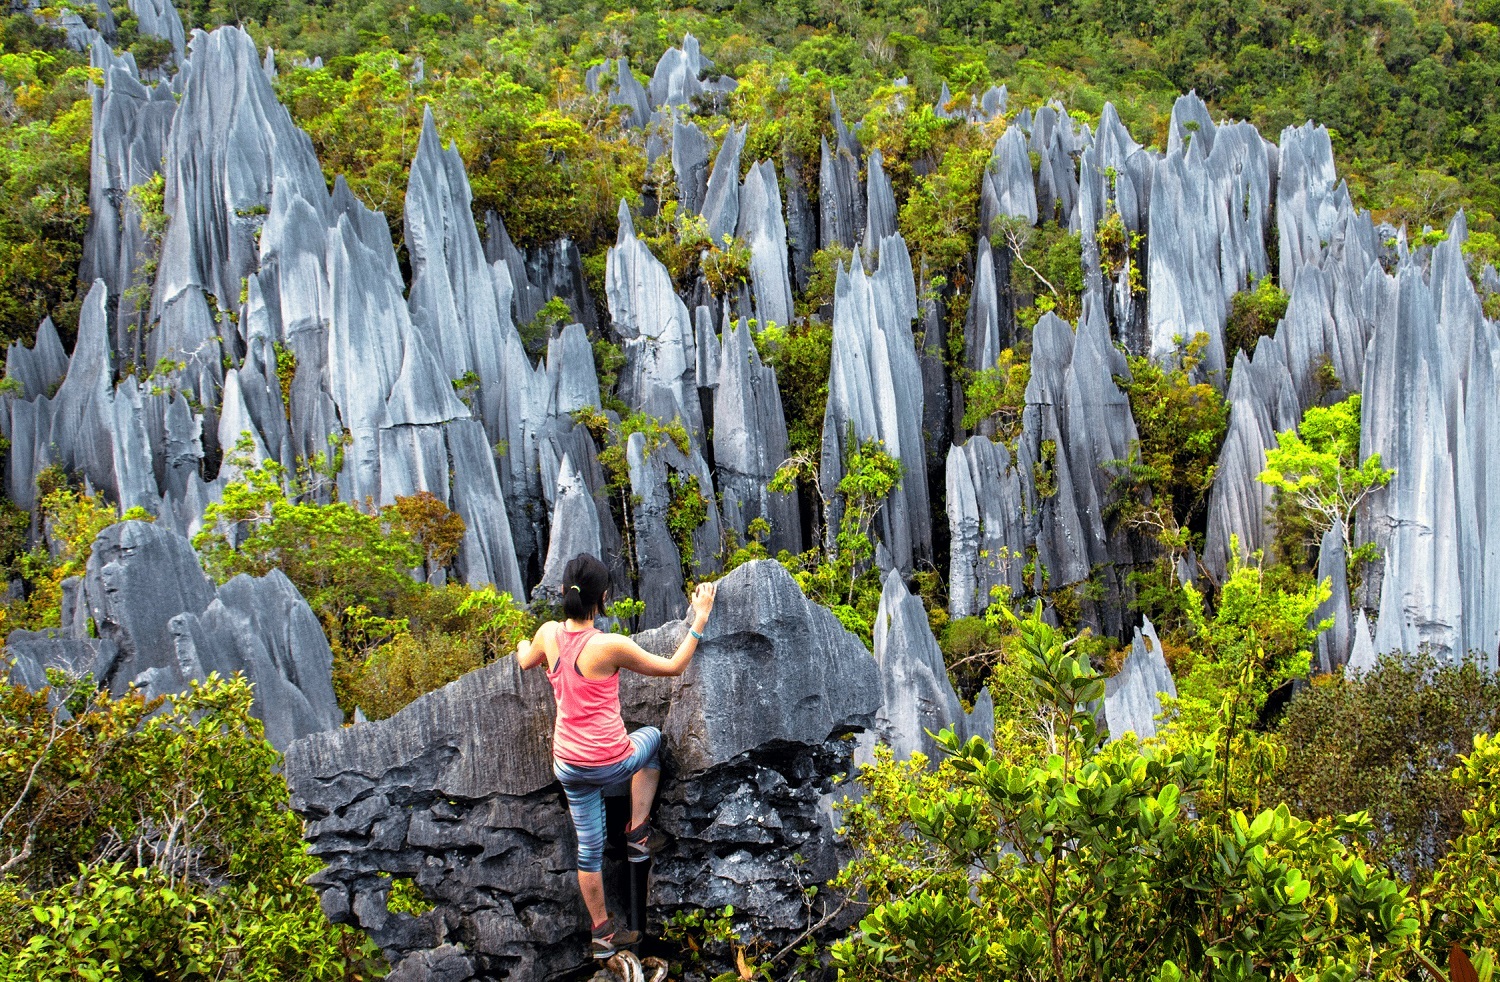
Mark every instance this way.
x=589 y=731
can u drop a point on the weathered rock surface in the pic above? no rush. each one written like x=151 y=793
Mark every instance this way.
x=1132 y=697
x=875 y=392
x=750 y=442
x=656 y=331
x=762 y=227
x=841 y=199
x=917 y=699
x=161 y=624
x=456 y=792
x=986 y=526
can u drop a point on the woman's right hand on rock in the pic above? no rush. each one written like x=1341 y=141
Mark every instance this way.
x=703 y=600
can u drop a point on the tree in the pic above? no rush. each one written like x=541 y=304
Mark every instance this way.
x=1387 y=742
x=153 y=840
x=1317 y=467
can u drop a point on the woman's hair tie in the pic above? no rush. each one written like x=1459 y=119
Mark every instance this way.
x=575 y=587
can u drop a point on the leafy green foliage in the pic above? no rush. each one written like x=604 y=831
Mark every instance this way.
x=997 y=396
x=1467 y=881
x=393 y=638
x=1254 y=314
x=1386 y=743
x=1092 y=862
x=842 y=576
x=800 y=353
x=335 y=554
x=153 y=840
x=1318 y=471
x=44 y=177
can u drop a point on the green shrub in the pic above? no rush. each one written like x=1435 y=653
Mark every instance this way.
x=153 y=840
x=1254 y=314
x=1386 y=743
x=1097 y=861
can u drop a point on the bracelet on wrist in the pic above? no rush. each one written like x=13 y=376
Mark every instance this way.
x=694 y=632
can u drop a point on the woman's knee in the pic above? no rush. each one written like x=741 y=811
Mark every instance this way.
x=648 y=747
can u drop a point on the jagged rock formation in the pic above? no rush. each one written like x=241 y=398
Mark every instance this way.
x=690 y=165
x=750 y=442
x=916 y=696
x=130 y=126
x=762 y=227
x=841 y=200
x=880 y=200
x=875 y=392
x=721 y=201
x=456 y=792
x=986 y=526
x=1076 y=422
x=653 y=325
x=1430 y=407
x=161 y=624
x=1333 y=643
x=1132 y=697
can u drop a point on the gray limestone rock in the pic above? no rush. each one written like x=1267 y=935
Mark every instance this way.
x=1362 y=657
x=916 y=696
x=1008 y=189
x=994 y=102
x=263 y=628
x=721 y=200
x=159 y=18
x=986 y=528
x=750 y=442
x=575 y=530
x=456 y=791
x=841 y=199
x=676 y=81
x=690 y=164
x=232 y=144
x=130 y=126
x=1333 y=644
x=1057 y=174
x=880 y=199
x=875 y=392
x=658 y=562
x=40 y=368
x=1306 y=199
x=801 y=223
x=628 y=92
x=762 y=227
x=140 y=577
x=88 y=428
x=989 y=323
x=657 y=333
x=1132 y=698
x=1075 y=422
x=37 y=651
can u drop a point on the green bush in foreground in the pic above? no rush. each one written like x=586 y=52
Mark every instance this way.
x=152 y=840
x=1094 y=860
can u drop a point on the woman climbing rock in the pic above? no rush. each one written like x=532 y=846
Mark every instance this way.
x=590 y=748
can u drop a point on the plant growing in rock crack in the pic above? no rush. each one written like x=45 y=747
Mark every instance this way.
x=1317 y=468
x=841 y=575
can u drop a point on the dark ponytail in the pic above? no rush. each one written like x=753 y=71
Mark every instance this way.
x=585 y=579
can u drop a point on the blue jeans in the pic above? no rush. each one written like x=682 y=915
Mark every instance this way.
x=585 y=790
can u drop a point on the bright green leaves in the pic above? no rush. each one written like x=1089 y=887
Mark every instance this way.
x=128 y=810
x=1316 y=470
x=843 y=578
